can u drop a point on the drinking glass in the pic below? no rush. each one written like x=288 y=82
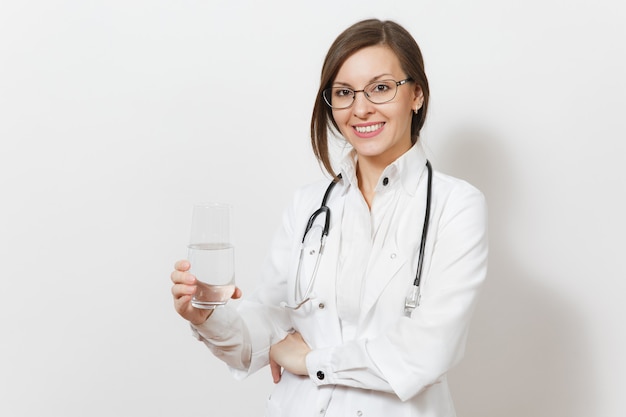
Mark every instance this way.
x=211 y=255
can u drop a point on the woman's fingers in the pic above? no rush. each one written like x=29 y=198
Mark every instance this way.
x=184 y=288
x=182 y=265
x=181 y=290
x=290 y=353
x=276 y=371
x=182 y=277
x=182 y=304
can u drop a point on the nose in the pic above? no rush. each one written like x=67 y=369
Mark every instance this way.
x=361 y=105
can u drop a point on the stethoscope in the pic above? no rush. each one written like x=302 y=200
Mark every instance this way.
x=413 y=296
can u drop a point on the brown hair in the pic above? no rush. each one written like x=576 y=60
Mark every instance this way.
x=358 y=36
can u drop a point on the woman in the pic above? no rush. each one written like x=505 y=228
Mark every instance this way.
x=347 y=328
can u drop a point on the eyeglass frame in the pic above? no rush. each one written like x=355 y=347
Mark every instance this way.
x=398 y=84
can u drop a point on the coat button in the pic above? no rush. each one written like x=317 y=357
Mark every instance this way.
x=359 y=413
x=321 y=306
x=385 y=181
x=320 y=375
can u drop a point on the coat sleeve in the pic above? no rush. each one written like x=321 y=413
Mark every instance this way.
x=418 y=351
x=242 y=337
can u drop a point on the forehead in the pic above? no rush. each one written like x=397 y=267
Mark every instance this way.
x=368 y=64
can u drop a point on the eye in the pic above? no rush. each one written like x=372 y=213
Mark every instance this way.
x=343 y=92
x=379 y=88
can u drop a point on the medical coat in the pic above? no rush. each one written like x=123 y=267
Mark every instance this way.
x=368 y=358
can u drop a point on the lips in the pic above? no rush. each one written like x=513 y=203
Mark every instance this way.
x=369 y=128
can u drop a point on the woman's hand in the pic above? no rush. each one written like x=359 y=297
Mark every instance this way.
x=290 y=354
x=183 y=289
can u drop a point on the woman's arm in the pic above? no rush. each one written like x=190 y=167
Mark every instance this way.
x=416 y=352
x=242 y=337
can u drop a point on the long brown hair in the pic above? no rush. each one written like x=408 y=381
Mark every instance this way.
x=358 y=36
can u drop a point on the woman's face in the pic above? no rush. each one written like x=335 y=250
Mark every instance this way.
x=378 y=132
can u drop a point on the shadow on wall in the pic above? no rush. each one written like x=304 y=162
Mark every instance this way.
x=527 y=352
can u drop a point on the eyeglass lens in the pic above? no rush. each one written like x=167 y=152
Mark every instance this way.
x=377 y=92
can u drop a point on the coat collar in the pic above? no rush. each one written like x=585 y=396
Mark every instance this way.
x=406 y=170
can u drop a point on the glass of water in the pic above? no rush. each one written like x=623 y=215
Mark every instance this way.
x=211 y=255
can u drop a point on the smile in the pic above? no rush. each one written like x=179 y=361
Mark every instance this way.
x=368 y=129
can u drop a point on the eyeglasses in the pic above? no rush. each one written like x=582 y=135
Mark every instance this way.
x=378 y=92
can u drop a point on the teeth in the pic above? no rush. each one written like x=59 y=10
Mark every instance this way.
x=368 y=129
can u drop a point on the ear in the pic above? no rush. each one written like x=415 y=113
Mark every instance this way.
x=418 y=98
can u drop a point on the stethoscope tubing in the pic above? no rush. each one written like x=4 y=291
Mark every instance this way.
x=413 y=297
x=420 y=259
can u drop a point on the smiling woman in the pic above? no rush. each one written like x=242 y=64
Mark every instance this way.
x=347 y=333
x=117 y=116
x=378 y=125
x=403 y=50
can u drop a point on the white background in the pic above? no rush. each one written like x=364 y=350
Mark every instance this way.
x=116 y=116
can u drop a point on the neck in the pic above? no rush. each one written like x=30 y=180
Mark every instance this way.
x=368 y=174
x=370 y=168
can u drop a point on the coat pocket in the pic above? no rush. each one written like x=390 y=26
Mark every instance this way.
x=293 y=396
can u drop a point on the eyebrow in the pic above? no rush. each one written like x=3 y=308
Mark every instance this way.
x=373 y=79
